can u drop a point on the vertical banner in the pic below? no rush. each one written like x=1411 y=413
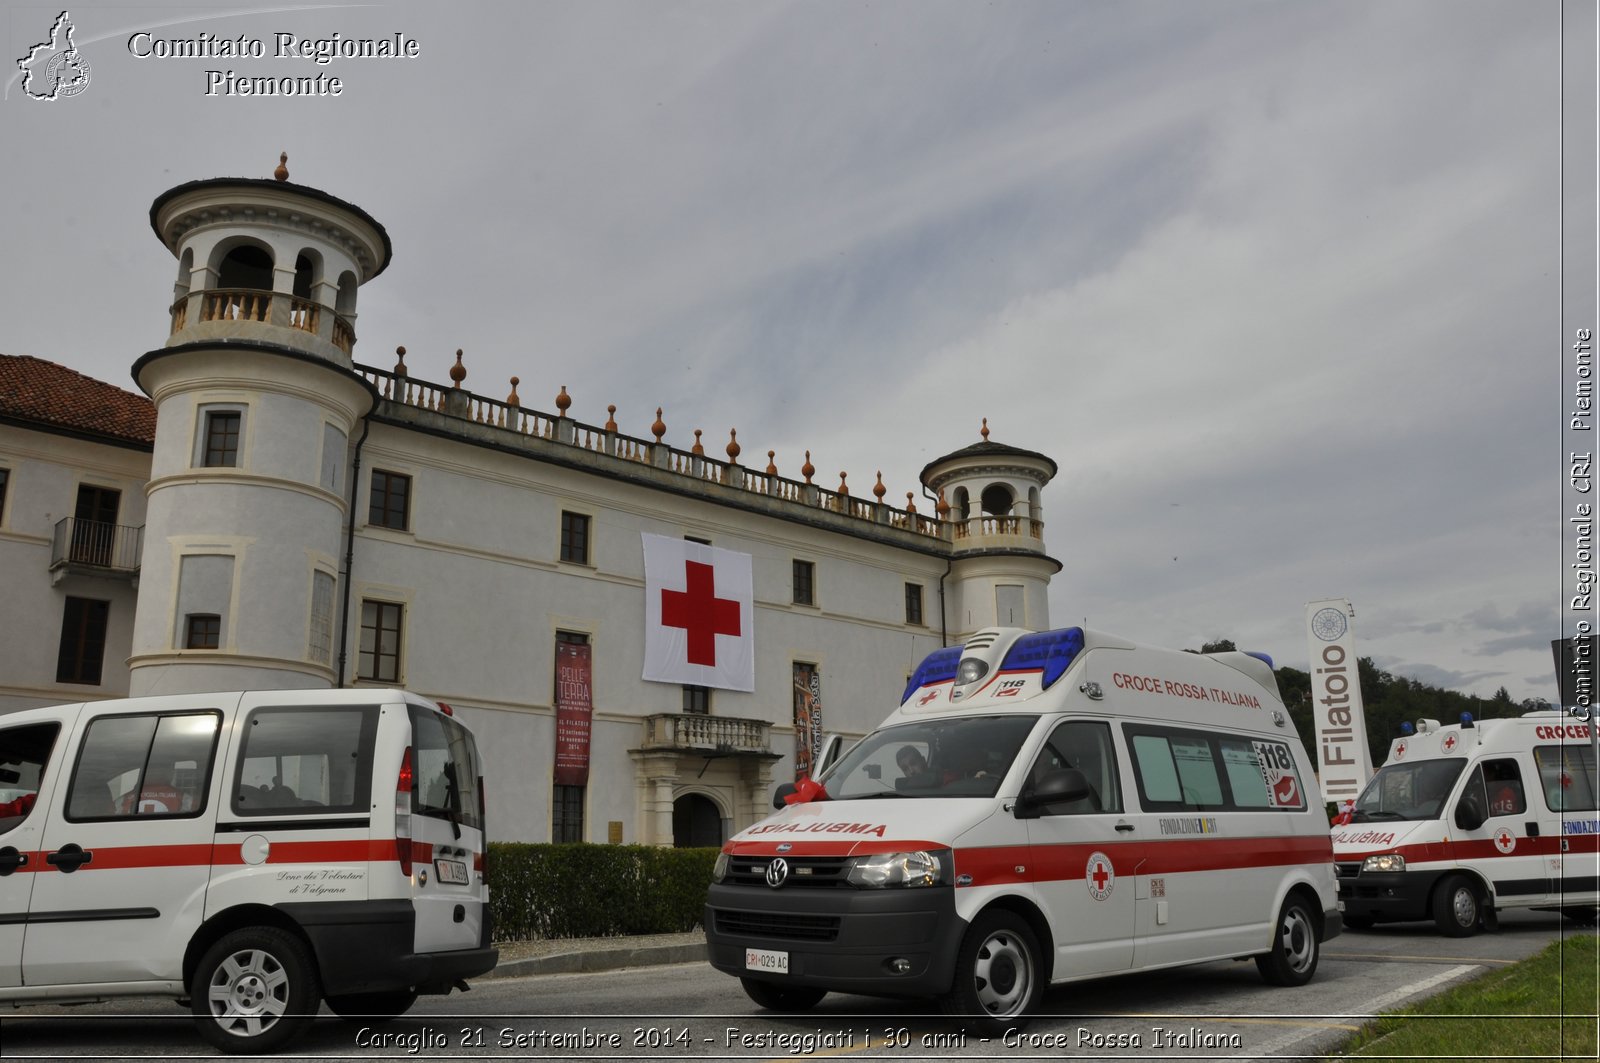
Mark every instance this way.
x=807 y=718
x=574 y=707
x=1341 y=722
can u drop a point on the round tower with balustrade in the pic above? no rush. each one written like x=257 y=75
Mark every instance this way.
x=990 y=496
x=257 y=406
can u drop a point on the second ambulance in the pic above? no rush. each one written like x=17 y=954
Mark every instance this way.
x=1042 y=807
x=1469 y=818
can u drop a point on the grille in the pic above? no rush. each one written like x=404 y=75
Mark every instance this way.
x=1347 y=870
x=805 y=872
x=778 y=925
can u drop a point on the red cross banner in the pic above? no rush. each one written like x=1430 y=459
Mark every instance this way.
x=699 y=616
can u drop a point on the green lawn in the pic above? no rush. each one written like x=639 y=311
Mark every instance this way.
x=1542 y=1008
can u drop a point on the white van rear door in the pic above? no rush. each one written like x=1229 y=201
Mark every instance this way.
x=447 y=837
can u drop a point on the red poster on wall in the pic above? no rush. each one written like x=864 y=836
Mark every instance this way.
x=574 y=708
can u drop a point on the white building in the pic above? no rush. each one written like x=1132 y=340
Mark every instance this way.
x=278 y=514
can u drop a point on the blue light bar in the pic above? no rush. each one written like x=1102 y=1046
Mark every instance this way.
x=1406 y=728
x=1051 y=651
x=1466 y=719
x=1261 y=657
x=937 y=667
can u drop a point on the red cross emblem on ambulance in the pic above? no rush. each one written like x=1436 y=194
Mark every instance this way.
x=1449 y=743
x=1099 y=876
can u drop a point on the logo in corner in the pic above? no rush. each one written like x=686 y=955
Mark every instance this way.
x=55 y=69
x=777 y=872
x=1329 y=624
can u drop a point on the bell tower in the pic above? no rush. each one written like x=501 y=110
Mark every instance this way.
x=990 y=497
x=256 y=404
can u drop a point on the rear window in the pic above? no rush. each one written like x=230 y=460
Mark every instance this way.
x=445 y=765
x=301 y=759
x=1180 y=770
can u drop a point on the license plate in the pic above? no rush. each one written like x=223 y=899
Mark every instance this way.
x=451 y=871
x=766 y=960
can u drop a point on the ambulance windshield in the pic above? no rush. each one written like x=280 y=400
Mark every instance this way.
x=964 y=757
x=1408 y=791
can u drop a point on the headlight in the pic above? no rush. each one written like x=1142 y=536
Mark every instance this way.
x=896 y=869
x=719 y=870
x=1384 y=862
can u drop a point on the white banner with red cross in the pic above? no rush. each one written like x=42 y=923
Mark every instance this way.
x=699 y=615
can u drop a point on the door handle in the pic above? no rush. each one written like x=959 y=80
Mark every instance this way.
x=1124 y=826
x=69 y=858
x=11 y=859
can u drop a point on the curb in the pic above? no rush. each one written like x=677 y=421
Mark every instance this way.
x=580 y=962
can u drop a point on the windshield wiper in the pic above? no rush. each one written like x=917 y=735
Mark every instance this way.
x=1362 y=815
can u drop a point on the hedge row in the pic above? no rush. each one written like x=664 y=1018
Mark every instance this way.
x=579 y=890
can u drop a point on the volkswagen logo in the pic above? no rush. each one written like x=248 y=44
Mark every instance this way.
x=777 y=872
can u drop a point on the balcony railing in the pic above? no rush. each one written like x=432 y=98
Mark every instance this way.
x=693 y=733
x=988 y=528
x=96 y=546
x=254 y=304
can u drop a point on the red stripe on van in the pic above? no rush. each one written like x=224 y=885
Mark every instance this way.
x=1052 y=863
x=769 y=847
x=124 y=857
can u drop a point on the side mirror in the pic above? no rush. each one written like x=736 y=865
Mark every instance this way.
x=1068 y=784
x=783 y=790
x=1467 y=817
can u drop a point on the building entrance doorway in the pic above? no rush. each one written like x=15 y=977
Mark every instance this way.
x=696 y=823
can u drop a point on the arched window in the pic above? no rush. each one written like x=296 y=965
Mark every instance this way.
x=246 y=266
x=962 y=506
x=997 y=501
x=305 y=270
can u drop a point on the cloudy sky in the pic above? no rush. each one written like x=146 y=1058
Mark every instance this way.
x=1278 y=285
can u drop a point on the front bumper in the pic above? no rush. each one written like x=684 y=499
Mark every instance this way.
x=1387 y=896
x=839 y=939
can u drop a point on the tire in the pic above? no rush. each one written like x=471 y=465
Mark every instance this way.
x=1456 y=907
x=1295 y=949
x=373 y=1007
x=774 y=997
x=999 y=977
x=254 y=990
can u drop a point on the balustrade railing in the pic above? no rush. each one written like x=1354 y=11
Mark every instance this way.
x=96 y=544
x=404 y=390
x=691 y=732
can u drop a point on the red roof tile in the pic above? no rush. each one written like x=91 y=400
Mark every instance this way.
x=32 y=389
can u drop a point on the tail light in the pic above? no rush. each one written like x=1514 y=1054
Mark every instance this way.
x=402 y=814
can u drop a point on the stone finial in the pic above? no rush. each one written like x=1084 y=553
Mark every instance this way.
x=986 y=429
x=563 y=401
x=943 y=508
x=512 y=399
x=458 y=372
x=282 y=172
x=698 y=450
x=660 y=426
x=878 y=489
x=808 y=470
x=844 y=488
x=611 y=418
x=400 y=364
x=772 y=465
x=911 y=502
x=733 y=445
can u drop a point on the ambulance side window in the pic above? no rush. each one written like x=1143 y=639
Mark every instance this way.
x=1503 y=782
x=145 y=766
x=1175 y=770
x=1083 y=747
x=24 y=753
x=1564 y=776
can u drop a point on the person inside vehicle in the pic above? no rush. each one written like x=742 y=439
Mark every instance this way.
x=911 y=761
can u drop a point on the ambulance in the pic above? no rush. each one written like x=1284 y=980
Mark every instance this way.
x=1043 y=807
x=1466 y=819
x=248 y=854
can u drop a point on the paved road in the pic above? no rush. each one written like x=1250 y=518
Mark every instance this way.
x=1219 y=1010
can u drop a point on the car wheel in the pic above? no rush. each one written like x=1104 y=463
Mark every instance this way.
x=1456 y=907
x=373 y=1007
x=254 y=990
x=1293 y=957
x=776 y=997
x=998 y=975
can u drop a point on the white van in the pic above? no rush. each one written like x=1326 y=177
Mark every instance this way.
x=250 y=853
x=1466 y=819
x=1041 y=808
